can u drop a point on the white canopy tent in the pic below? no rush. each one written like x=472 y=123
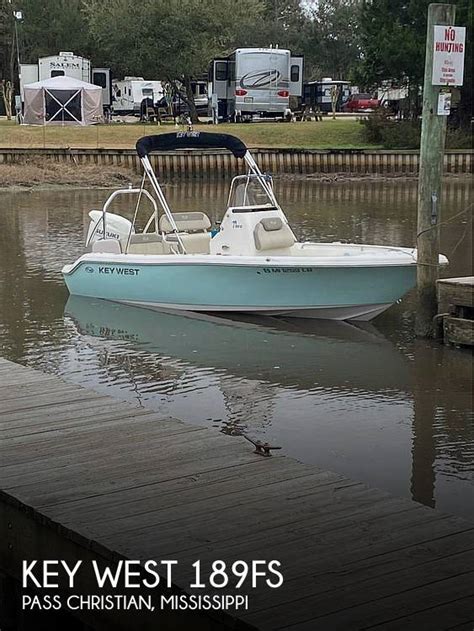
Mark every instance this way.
x=62 y=101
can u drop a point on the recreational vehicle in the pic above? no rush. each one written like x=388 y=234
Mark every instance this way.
x=319 y=94
x=254 y=83
x=129 y=94
x=67 y=64
x=199 y=89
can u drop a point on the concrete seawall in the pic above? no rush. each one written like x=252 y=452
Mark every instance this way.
x=221 y=163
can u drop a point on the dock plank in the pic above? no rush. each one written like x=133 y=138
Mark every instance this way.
x=142 y=485
x=327 y=599
x=387 y=609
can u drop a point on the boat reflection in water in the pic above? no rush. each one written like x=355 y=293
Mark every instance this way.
x=330 y=393
x=296 y=354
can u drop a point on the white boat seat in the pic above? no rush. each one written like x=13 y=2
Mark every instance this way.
x=186 y=222
x=148 y=243
x=106 y=246
x=272 y=233
x=194 y=243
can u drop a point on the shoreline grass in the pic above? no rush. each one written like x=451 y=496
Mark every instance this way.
x=328 y=134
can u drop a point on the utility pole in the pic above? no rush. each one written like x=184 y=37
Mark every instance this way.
x=433 y=136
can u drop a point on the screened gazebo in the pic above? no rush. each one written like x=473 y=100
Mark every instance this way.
x=62 y=101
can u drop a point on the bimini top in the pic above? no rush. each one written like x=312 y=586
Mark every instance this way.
x=190 y=140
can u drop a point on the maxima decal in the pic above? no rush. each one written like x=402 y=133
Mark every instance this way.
x=262 y=79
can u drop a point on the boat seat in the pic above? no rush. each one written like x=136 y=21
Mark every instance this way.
x=271 y=233
x=194 y=243
x=186 y=222
x=106 y=246
x=148 y=243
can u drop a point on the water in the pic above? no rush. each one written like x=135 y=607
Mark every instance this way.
x=370 y=402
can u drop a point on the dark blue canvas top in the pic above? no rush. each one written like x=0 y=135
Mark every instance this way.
x=190 y=140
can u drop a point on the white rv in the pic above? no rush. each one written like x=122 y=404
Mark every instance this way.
x=254 y=82
x=69 y=65
x=129 y=94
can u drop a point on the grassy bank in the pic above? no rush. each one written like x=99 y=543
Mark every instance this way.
x=337 y=134
x=35 y=172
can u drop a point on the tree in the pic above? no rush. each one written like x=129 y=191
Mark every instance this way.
x=51 y=26
x=284 y=24
x=172 y=40
x=7 y=56
x=393 y=35
x=332 y=46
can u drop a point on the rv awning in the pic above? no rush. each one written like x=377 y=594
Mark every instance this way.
x=190 y=140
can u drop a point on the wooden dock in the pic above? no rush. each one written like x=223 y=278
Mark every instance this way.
x=85 y=476
x=456 y=310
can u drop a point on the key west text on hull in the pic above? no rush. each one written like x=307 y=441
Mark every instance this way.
x=252 y=264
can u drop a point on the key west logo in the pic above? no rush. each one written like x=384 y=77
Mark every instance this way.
x=120 y=271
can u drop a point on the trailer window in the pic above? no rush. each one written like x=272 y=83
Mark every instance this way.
x=100 y=79
x=221 y=71
x=295 y=73
x=231 y=71
x=57 y=73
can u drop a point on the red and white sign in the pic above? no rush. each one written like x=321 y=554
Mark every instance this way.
x=448 y=55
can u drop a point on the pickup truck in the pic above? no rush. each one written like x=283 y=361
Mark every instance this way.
x=360 y=103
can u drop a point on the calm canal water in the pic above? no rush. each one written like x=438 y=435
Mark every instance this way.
x=371 y=402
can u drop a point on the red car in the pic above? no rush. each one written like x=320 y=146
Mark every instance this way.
x=360 y=103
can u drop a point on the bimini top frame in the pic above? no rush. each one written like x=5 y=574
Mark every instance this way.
x=194 y=140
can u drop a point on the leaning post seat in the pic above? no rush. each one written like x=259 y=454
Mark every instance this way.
x=272 y=233
x=194 y=242
x=193 y=231
x=186 y=222
x=147 y=243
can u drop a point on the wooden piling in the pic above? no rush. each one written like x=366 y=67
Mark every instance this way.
x=433 y=136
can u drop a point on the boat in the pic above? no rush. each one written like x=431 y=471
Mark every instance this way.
x=252 y=264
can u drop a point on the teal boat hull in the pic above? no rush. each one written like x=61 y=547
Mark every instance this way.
x=337 y=292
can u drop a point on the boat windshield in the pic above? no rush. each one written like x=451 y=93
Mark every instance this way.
x=248 y=192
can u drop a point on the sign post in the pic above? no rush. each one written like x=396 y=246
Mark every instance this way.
x=443 y=68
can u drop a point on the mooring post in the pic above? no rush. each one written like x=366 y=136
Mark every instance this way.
x=433 y=136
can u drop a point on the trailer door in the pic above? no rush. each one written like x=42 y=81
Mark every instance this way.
x=296 y=75
x=219 y=78
x=101 y=77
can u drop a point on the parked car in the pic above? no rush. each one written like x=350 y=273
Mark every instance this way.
x=360 y=103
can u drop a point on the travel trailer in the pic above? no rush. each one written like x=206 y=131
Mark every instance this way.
x=254 y=83
x=67 y=64
x=318 y=94
x=129 y=95
x=199 y=90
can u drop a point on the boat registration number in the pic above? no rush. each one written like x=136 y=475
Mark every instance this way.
x=286 y=270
